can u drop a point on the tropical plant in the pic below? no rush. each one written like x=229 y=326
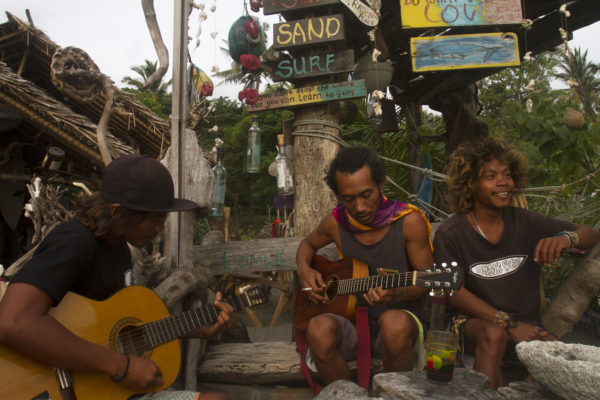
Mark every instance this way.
x=582 y=76
x=155 y=97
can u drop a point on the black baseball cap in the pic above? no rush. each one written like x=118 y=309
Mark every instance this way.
x=141 y=183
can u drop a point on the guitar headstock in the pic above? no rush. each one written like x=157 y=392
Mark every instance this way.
x=446 y=277
x=251 y=295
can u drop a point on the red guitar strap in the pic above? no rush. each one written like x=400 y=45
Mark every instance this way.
x=301 y=346
x=363 y=336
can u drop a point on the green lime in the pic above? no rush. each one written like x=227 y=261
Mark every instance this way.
x=437 y=362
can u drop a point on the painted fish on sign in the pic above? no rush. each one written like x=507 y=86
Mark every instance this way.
x=313 y=65
x=278 y=6
x=325 y=29
x=485 y=50
x=431 y=13
x=310 y=95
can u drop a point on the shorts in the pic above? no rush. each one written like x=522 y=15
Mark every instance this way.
x=348 y=346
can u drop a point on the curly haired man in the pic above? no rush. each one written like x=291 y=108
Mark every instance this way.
x=500 y=249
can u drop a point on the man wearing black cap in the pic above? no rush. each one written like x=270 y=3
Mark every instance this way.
x=89 y=256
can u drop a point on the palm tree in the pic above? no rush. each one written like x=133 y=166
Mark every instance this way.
x=582 y=77
x=156 y=97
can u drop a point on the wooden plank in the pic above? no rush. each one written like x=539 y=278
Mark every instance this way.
x=310 y=95
x=303 y=32
x=257 y=363
x=432 y=13
x=437 y=53
x=278 y=6
x=314 y=65
x=363 y=12
x=253 y=255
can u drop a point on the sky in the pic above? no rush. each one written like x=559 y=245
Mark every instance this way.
x=115 y=35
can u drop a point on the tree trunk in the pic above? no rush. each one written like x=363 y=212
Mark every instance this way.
x=459 y=109
x=574 y=295
x=312 y=156
x=413 y=111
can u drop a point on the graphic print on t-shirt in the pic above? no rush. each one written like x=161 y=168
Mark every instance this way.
x=498 y=268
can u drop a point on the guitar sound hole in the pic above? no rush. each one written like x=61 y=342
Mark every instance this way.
x=331 y=289
x=131 y=340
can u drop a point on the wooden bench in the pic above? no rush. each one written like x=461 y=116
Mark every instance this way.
x=265 y=363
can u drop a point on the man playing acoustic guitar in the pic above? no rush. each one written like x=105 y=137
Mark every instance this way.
x=385 y=234
x=501 y=249
x=89 y=256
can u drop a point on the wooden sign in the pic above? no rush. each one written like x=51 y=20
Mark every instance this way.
x=435 y=53
x=363 y=12
x=310 y=95
x=325 y=29
x=430 y=13
x=314 y=65
x=278 y=6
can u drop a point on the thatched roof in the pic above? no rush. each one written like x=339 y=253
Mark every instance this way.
x=25 y=84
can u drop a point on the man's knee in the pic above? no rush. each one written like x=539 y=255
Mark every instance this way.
x=398 y=329
x=492 y=338
x=323 y=331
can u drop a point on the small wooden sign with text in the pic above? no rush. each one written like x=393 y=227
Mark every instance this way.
x=278 y=6
x=292 y=34
x=431 y=13
x=363 y=12
x=314 y=65
x=310 y=95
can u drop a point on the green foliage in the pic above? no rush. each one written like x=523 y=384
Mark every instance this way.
x=155 y=97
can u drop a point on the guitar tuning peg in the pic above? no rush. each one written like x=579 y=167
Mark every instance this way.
x=454 y=264
x=451 y=294
x=447 y=284
x=444 y=265
x=437 y=284
x=427 y=284
x=432 y=293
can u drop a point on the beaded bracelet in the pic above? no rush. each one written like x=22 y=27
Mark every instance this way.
x=572 y=236
x=122 y=377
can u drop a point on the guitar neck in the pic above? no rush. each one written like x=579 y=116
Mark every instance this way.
x=173 y=327
x=387 y=281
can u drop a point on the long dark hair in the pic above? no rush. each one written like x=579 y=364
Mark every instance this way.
x=94 y=212
x=466 y=165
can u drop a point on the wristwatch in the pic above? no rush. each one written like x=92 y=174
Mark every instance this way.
x=504 y=320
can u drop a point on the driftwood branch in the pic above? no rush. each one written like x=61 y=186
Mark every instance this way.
x=109 y=92
x=574 y=295
x=159 y=45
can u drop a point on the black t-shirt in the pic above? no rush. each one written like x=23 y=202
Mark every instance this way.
x=70 y=258
x=504 y=274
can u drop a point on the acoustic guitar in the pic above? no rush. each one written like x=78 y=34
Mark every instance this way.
x=347 y=277
x=133 y=321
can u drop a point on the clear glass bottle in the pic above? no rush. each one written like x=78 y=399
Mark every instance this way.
x=253 y=154
x=220 y=183
x=285 y=180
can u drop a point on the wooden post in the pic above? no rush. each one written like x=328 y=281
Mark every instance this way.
x=178 y=122
x=413 y=111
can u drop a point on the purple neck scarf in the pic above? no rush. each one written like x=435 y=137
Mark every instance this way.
x=389 y=211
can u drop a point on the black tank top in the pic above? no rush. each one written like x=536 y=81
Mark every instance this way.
x=388 y=253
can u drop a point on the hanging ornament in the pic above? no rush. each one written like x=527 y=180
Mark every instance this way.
x=255 y=5
x=573 y=119
x=200 y=84
x=250 y=61
x=249 y=94
x=241 y=40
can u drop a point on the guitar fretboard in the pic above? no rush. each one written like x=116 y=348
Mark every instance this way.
x=387 y=281
x=173 y=327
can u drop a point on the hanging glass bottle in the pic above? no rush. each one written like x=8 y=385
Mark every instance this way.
x=285 y=180
x=220 y=184
x=253 y=154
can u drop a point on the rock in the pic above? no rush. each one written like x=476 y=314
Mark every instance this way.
x=569 y=370
x=343 y=390
x=413 y=385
